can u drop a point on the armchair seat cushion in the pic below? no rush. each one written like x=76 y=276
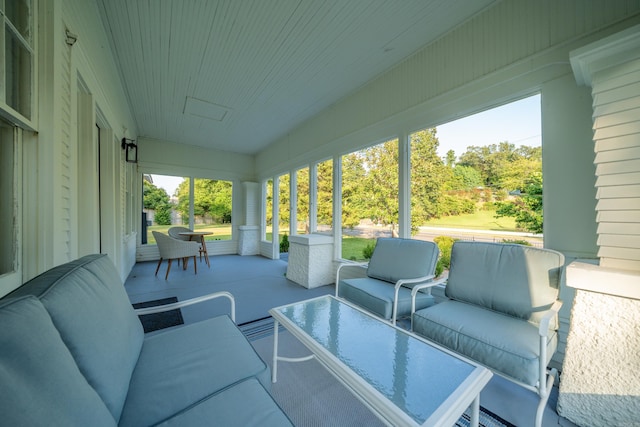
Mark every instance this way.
x=503 y=343
x=179 y=367
x=377 y=296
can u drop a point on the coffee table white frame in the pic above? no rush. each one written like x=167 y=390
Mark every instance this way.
x=465 y=391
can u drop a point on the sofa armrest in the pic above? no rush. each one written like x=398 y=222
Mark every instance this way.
x=185 y=303
x=543 y=329
x=360 y=265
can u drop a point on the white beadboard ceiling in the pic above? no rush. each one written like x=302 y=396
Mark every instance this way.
x=236 y=75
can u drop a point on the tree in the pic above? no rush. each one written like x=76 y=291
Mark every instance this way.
x=380 y=185
x=353 y=175
x=211 y=199
x=527 y=208
x=302 y=210
x=325 y=193
x=153 y=197
x=284 y=201
x=156 y=198
x=450 y=158
x=502 y=166
x=464 y=178
x=428 y=178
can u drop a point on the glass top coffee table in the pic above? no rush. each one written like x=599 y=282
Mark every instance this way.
x=404 y=379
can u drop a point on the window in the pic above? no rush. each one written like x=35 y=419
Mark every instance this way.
x=369 y=197
x=302 y=201
x=170 y=200
x=324 y=210
x=480 y=177
x=8 y=207
x=268 y=203
x=18 y=56
x=284 y=202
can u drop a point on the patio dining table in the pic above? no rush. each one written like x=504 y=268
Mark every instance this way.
x=203 y=246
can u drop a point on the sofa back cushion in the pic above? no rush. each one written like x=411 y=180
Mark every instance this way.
x=40 y=383
x=516 y=280
x=92 y=312
x=395 y=259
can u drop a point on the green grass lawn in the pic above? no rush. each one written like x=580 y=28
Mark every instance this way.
x=481 y=220
x=352 y=247
x=220 y=231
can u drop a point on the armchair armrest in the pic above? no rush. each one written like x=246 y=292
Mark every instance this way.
x=185 y=303
x=543 y=329
x=397 y=286
x=418 y=288
x=361 y=265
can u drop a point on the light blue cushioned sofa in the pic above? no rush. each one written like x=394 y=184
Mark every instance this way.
x=73 y=353
x=501 y=311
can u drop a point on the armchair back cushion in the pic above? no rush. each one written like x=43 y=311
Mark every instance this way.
x=107 y=341
x=516 y=280
x=394 y=259
x=43 y=385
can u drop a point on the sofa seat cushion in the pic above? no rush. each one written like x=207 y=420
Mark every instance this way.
x=182 y=366
x=40 y=383
x=93 y=314
x=377 y=296
x=229 y=407
x=505 y=344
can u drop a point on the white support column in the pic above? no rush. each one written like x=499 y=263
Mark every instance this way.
x=337 y=207
x=293 y=203
x=404 y=183
x=275 y=219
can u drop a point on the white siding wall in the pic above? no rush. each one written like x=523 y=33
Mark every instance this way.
x=616 y=104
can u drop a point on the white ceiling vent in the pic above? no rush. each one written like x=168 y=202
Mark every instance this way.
x=205 y=110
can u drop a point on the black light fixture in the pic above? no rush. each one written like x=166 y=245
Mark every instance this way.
x=131 y=150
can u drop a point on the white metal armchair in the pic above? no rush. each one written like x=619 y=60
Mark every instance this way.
x=396 y=266
x=171 y=249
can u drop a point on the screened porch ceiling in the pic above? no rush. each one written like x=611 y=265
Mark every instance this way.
x=236 y=75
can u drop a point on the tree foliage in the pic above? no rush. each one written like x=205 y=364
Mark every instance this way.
x=153 y=197
x=503 y=166
x=527 y=208
x=439 y=186
x=157 y=199
x=211 y=199
x=429 y=176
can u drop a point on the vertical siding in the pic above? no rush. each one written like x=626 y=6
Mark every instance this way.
x=616 y=104
x=66 y=160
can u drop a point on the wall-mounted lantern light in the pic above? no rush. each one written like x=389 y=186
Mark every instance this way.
x=131 y=150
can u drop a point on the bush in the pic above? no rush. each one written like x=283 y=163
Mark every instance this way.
x=163 y=215
x=284 y=244
x=517 y=242
x=367 y=252
x=445 y=243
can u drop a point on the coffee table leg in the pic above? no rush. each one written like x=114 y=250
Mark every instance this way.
x=475 y=412
x=274 y=370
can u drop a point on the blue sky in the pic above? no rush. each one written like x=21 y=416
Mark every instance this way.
x=518 y=122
